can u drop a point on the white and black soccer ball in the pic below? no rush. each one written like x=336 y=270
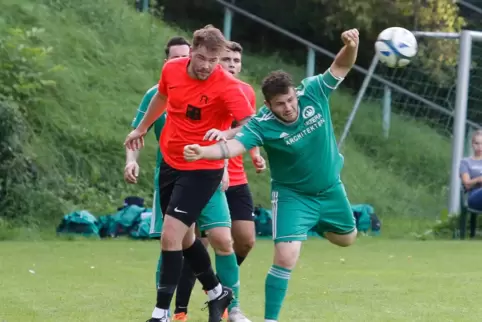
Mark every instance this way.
x=396 y=47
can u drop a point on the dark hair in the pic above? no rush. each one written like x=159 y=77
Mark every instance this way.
x=234 y=46
x=210 y=37
x=277 y=82
x=175 y=41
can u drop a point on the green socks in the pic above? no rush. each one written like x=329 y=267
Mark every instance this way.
x=275 y=291
x=158 y=271
x=227 y=270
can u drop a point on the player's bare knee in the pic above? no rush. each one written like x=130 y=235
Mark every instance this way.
x=286 y=254
x=221 y=241
x=246 y=244
x=170 y=241
x=173 y=233
x=244 y=237
x=243 y=243
x=243 y=248
x=285 y=262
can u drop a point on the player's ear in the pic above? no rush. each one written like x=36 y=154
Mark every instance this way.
x=267 y=103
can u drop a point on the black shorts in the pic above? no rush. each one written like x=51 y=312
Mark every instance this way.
x=184 y=193
x=240 y=202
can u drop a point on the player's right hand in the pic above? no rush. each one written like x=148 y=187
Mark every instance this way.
x=350 y=37
x=135 y=140
x=131 y=172
x=192 y=152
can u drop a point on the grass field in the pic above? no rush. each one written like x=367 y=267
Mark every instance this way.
x=379 y=280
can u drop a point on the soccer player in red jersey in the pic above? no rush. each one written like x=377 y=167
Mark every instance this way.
x=239 y=199
x=238 y=194
x=197 y=95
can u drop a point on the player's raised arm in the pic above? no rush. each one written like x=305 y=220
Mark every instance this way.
x=322 y=85
x=346 y=57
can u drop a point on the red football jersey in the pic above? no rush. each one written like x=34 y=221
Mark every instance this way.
x=237 y=175
x=196 y=106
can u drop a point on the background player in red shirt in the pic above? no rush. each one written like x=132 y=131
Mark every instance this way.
x=199 y=95
x=239 y=197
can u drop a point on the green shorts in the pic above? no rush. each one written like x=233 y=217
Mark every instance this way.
x=215 y=214
x=295 y=213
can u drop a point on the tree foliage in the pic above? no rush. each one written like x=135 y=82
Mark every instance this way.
x=322 y=21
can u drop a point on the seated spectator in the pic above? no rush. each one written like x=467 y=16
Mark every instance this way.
x=471 y=173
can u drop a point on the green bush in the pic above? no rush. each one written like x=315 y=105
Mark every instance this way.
x=24 y=67
x=24 y=76
x=13 y=164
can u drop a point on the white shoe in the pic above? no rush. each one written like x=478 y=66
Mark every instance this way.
x=235 y=315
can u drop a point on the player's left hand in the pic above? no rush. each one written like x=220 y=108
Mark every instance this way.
x=350 y=38
x=225 y=180
x=259 y=163
x=192 y=152
x=214 y=135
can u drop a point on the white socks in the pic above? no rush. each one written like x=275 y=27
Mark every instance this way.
x=215 y=292
x=159 y=313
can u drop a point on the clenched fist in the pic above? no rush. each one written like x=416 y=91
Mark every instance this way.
x=192 y=152
x=350 y=38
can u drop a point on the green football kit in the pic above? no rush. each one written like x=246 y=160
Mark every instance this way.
x=305 y=164
x=156 y=219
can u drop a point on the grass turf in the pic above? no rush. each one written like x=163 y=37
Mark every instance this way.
x=379 y=280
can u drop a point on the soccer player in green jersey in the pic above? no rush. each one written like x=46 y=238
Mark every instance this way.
x=176 y=47
x=296 y=131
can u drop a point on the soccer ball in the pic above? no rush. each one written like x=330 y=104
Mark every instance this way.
x=395 y=47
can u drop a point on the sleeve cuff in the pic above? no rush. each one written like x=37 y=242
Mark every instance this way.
x=331 y=81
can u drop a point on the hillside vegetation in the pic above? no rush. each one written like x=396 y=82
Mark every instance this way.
x=104 y=56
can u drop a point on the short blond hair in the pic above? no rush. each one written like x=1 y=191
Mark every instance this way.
x=209 y=37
